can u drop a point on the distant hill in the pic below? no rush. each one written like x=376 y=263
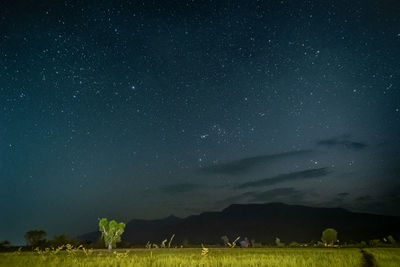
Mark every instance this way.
x=263 y=222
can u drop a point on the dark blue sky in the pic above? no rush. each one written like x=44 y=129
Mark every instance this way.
x=141 y=109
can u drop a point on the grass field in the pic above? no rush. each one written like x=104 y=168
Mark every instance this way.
x=387 y=257
x=193 y=257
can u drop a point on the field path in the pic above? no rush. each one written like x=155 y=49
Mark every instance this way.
x=369 y=260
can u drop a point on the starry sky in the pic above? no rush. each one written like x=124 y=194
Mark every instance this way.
x=142 y=109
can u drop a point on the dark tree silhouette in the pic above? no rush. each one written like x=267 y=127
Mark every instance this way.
x=35 y=238
x=329 y=236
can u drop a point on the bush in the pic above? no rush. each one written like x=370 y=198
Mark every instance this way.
x=59 y=240
x=375 y=243
x=391 y=240
x=294 y=245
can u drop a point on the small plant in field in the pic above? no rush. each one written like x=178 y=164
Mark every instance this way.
x=234 y=242
x=38 y=251
x=19 y=251
x=163 y=243
x=225 y=239
x=57 y=250
x=170 y=240
x=87 y=252
x=148 y=245
x=70 y=249
x=121 y=255
x=204 y=251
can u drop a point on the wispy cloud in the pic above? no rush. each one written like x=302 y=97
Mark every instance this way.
x=343 y=195
x=364 y=198
x=281 y=194
x=246 y=164
x=274 y=194
x=287 y=177
x=342 y=141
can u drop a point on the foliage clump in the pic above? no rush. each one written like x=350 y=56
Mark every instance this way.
x=329 y=236
x=111 y=232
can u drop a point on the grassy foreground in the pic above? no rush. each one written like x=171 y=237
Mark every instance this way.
x=388 y=257
x=193 y=257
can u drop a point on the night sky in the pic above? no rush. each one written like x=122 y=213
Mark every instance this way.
x=142 y=109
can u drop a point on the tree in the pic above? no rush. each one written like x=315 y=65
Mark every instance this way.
x=35 y=238
x=111 y=232
x=329 y=236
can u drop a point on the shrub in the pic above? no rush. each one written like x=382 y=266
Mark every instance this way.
x=391 y=240
x=294 y=245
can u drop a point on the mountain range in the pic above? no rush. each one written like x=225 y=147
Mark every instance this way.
x=262 y=222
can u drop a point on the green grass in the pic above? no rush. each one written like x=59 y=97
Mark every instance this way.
x=192 y=257
x=385 y=257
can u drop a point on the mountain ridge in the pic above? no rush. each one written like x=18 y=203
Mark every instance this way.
x=263 y=222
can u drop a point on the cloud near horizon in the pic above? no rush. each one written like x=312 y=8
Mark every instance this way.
x=244 y=165
x=287 y=177
x=280 y=194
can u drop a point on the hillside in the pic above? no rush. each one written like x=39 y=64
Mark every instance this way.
x=263 y=222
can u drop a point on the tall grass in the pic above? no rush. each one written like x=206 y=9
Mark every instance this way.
x=187 y=257
x=388 y=257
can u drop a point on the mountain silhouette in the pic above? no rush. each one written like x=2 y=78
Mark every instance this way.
x=263 y=222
